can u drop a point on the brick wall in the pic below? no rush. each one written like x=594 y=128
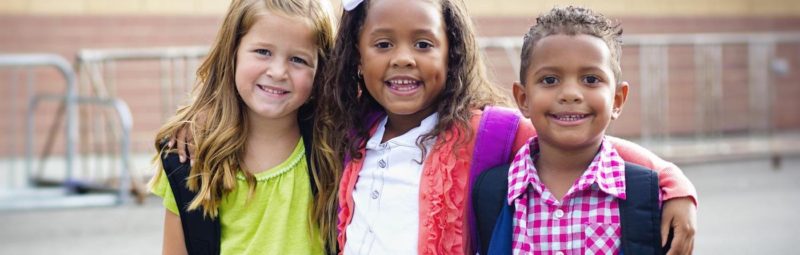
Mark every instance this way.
x=138 y=83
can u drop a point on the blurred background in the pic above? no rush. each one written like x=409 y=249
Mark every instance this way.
x=85 y=84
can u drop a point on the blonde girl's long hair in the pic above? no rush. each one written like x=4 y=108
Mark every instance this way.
x=216 y=116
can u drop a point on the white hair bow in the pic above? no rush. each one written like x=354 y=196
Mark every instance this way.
x=349 y=5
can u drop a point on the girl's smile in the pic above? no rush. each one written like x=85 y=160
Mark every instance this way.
x=404 y=49
x=401 y=85
x=272 y=91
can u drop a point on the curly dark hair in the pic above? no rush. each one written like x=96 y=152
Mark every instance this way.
x=573 y=20
x=344 y=108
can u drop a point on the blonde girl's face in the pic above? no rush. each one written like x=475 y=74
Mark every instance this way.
x=403 y=49
x=275 y=66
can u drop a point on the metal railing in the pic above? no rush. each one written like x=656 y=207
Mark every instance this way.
x=31 y=194
x=176 y=73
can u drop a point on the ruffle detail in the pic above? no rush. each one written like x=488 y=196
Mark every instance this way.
x=443 y=198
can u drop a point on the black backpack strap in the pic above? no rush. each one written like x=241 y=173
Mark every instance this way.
x=306 y=125
x=489 y=194
x=201 y=234
x=640 y=212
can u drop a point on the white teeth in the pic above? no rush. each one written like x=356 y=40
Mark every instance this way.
x=402 y=82
x=273 y=91
x=570 y=117
x=405 y=88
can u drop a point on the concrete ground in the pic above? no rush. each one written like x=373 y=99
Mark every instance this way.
x=747 y=207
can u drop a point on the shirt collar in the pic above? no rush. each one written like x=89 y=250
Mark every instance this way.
x=408 y=139
x=607 y=170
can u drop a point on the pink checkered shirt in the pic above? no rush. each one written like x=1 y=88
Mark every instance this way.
x=586 y=222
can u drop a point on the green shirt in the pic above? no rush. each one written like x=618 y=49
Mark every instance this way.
x=274 y=221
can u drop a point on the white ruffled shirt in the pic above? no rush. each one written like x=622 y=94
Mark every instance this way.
x=386 y=195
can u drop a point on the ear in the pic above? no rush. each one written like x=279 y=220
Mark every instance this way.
x=521 y=97
x=620 y=96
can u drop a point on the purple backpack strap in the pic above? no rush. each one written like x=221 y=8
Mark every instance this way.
x=493 y=144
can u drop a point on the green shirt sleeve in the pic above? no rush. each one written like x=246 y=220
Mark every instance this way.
x=162 y=189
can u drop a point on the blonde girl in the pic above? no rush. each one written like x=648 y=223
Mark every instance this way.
x=249 y=190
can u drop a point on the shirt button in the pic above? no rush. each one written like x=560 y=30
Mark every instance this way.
x=559 y=253
x=382 y=146
x=375 y=194
x=558 y=214
x=382 y=163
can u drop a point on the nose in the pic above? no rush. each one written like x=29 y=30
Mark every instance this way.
x=571 y=93
x=403 y=57
x=276 y=70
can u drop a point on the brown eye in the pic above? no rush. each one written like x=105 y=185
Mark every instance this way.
x=383 y=45
x=591 y=79
x=549 y=80
x=423 y=45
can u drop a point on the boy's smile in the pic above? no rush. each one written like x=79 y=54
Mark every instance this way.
x=571 y=94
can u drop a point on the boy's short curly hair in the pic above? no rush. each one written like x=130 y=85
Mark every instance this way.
x=573 y=21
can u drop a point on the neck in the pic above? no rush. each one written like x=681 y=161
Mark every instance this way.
x=260 y=129
x=269 y=142
x=566 y=160
x=397 y=125
x=559 y=167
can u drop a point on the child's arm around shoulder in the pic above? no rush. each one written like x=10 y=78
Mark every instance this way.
x=673 y=182
x=680 y=197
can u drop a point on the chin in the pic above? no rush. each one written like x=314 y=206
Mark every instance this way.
x=404 y=110
x=573 y=142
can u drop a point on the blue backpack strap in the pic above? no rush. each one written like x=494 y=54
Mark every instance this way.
x=201 y=234
x=493 y=142
x=640 y=212
x=502 y=234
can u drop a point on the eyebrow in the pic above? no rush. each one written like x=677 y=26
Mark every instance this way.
x=560 y=69
x=420 y=31
x=547 y=69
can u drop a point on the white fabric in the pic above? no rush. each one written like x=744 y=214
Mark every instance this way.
x=386 y=214
x=349 y=5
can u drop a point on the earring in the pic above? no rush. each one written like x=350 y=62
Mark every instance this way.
x=359 y=83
